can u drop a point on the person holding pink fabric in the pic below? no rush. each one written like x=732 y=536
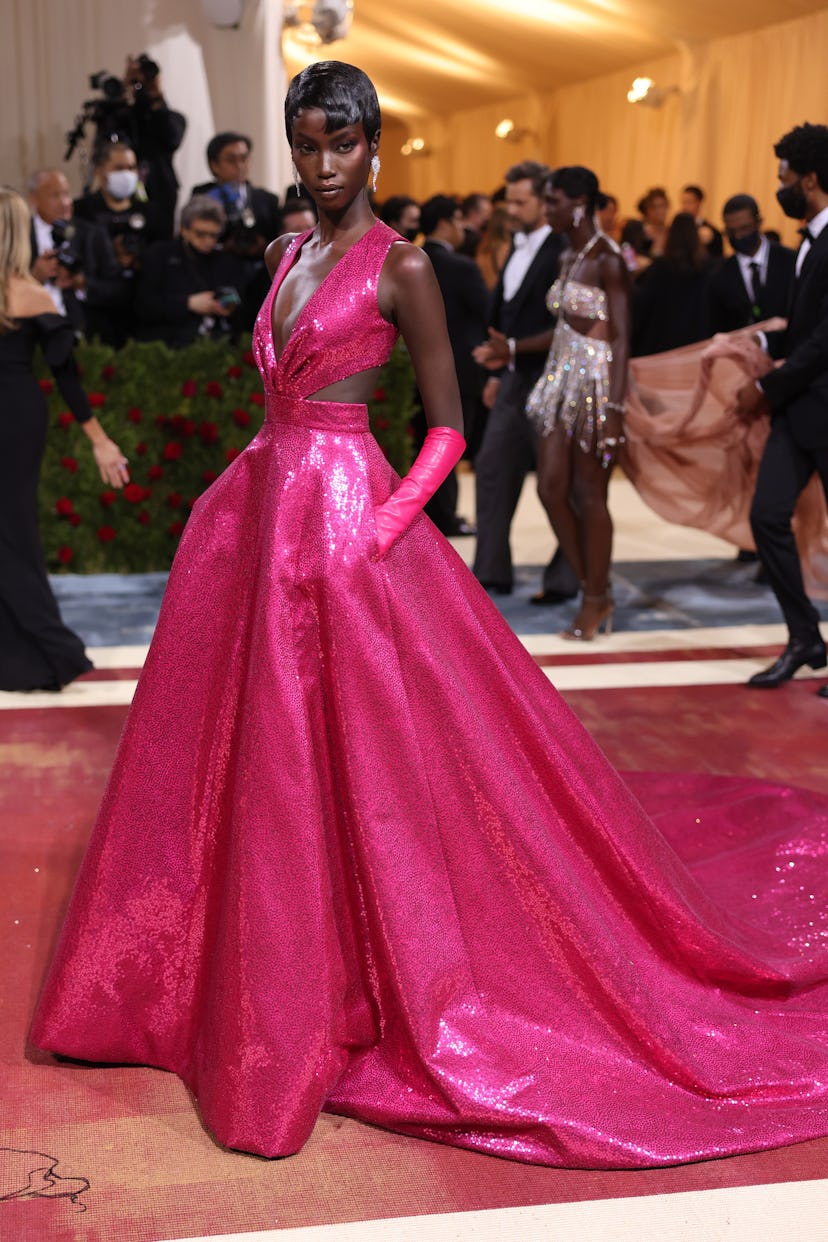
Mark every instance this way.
x=356 y=853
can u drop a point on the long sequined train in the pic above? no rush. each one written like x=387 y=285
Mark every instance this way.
x=356 y=854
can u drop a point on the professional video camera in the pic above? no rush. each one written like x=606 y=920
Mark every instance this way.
x=113 y=113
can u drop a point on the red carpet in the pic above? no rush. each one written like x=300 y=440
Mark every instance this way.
x=105 y=1154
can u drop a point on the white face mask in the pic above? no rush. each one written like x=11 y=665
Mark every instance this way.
x=122 y=184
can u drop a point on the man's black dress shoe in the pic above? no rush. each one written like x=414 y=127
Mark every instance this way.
x=796 y=654
x=822 y=692
x=459 y=528
x=542 y=599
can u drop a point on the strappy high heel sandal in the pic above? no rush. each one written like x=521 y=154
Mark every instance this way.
x=594 y=615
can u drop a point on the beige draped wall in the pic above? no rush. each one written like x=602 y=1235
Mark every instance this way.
x=219 y=78
x=738 y=95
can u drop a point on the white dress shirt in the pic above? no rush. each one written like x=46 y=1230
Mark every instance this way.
x=815 y=227
x=746 y=262
x=527 y=246
x=45 y=241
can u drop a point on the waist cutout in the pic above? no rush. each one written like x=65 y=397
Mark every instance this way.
x=340 y=416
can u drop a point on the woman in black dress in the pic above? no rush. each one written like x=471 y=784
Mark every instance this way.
x=37 y=651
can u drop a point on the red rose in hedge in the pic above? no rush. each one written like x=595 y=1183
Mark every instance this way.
x=155 y=472
x=209 y=476
x=96 y=399
x=134 y=414
x=70 y=464
x=144 y=518
x=141 y=449
x=209 y=432
x=134 y=493
x=231 y=454
x=65 y=419
x=65 y=555
x=176 y=527
x=108 y=371
x=189 y=388
x=379 y=394
x=241 y=418
x=182 y=426
x=63 y=506
x=257 y=398
x=108 y=498
x=233 y=372
x=45 y=385
x=74 y=519
x=172 y=451
x=213 y=389
x=381 y=424
x=107 y=533
x=248 y=357
x=161 y=420
x=174 y=500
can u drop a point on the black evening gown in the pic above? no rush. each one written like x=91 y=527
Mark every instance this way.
x=37 y=651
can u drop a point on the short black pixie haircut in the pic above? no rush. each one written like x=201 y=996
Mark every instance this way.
x=576 y=181
x=344 y=93
x=806 y=150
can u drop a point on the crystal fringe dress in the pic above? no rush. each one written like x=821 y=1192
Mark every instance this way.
x=356 y=854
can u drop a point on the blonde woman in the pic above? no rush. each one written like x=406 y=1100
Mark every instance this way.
x=37 y=651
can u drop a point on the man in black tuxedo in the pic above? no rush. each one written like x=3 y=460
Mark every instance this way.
x=466 y=300
x=74 y=259
x=798 y=395
x=755 y=282
x=508 y=450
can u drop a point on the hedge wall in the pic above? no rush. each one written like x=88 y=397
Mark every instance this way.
x=180 y=417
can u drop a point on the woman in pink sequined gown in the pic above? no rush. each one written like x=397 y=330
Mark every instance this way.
x=357 y=855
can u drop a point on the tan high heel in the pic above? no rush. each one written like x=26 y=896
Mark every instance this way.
x=584 y=628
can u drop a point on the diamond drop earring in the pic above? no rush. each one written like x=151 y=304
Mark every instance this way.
x=296 y=180
x=375 y=167
x=577 y=216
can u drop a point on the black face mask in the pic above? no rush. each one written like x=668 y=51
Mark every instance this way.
x=791 y=199
x=748 y=244
x=410 y=234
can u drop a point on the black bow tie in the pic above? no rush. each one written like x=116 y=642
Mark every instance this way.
x=806 y=234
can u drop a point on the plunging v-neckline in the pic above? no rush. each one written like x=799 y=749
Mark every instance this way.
x=276 y=286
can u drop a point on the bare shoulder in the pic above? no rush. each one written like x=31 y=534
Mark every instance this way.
x=275 y=251
x=611 y=260
x=407 y=278
x=27 y=297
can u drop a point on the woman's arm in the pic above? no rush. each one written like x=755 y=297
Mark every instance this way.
x=410 y=297
x=616 y=281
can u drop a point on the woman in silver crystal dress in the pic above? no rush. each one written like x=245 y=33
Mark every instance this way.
x=577 y=404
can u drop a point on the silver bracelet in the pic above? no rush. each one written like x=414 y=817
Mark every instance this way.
x=614 y=405
x=512 y=351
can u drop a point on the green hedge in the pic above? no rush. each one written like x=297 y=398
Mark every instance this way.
x=180 y=417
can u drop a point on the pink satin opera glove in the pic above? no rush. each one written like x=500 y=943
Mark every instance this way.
x=441 y=451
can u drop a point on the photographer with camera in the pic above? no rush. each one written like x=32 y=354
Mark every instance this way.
x=74 y=259
x=120 y=206
x=253 y=216
x=134 y=110
x=188 y=287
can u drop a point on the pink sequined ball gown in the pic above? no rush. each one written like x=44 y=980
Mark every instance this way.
x=357 y=855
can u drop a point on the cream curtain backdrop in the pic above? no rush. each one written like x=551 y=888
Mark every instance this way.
x=740 y=94
x=219 y=78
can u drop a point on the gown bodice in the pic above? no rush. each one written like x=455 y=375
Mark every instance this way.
x=339 y=331
x=580 y=301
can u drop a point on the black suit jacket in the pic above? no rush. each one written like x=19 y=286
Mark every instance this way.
x=731 y=306
x=263 y=204
x=467 y=304
x=107 y=291
x=799 y=388
x=526 y=314
x=170 y=273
